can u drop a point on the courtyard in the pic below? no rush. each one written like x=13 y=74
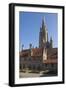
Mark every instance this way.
x=37 y=74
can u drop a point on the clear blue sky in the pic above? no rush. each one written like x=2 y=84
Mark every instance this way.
x=29 y=27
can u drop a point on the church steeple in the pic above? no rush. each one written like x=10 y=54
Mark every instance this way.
x=43 y=37
x=43 y=22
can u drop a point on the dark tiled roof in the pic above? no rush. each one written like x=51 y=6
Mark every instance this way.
x=25 y=53
x=36 y=52
x=52 y=53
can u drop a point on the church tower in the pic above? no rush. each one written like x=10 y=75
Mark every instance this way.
x=43 y=34
x=43 y=38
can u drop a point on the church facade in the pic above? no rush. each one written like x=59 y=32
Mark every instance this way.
x=41 y=58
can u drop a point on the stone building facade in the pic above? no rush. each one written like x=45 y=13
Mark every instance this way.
x=42 y=58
